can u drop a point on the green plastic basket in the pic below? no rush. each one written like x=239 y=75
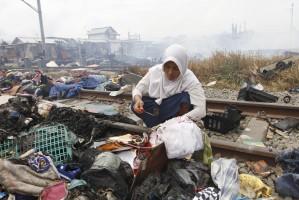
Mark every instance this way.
x=8 y=148
x=53 y=139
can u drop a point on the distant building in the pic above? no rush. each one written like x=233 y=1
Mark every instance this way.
x=30 y=48
x=104 y=33
x=62 y=50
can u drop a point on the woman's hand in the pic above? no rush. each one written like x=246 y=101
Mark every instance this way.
x=138 y=106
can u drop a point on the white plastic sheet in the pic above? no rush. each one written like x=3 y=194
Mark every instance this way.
x=180 y=135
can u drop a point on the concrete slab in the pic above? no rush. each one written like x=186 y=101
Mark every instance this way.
x=256 y=129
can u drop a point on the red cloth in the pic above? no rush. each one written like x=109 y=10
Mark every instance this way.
x=55 y=192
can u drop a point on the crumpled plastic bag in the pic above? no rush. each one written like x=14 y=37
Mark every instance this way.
x=20 y=179
x=253 y=187
x=180 y=135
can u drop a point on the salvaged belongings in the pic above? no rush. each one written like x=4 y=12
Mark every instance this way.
x=82 y=123
x=223 y=122
x=79 y=122
x=180 y=135
x=18 y=114
x=92 y=81
x=61 y=90
x=181 y=180
x=288 y=183
x=249 y=93
x=55 y=191
x=289 y=161
x=209 y=193
x=28 y=179
x=109 y=173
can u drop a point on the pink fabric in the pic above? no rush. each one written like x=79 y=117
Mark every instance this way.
x=55 y=192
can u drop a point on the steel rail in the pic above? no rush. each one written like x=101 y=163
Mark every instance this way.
x=271 y=110
x=225 y=148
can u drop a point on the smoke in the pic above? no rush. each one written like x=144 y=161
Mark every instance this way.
x=202 y=26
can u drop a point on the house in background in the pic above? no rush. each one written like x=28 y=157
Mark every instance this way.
x=30 y=48
x=107 y=35
x=104 y=33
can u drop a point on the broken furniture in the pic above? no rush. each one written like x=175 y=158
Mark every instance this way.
x=268 y=72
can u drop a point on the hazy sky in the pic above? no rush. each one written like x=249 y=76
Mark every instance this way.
x=151 y=18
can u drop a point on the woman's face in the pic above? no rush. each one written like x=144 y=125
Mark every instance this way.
x=171 y=71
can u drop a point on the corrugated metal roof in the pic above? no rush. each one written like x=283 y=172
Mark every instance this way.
x=31 y=40
x=34 y=40
x=101 y=30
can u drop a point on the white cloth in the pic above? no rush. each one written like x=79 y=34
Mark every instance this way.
x=225 y=175
x=156 y=85
x=180 y=135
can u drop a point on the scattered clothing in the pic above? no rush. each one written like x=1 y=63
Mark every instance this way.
x=57 y=191
x=92 y=81
x=21 y=179
x=76 y=183
x=242 y=198
x=60 y=90
x=180 y=135
x=288 y=185
x=112 y=87
x=39 y=163
x=253 y=187
x=289 y=161
x=180 y=181
x=24 y=197
x=209 y=193
x=14 y=113
x=225 y=175
x=109 y=172
x=3 y=195
x=68 y=172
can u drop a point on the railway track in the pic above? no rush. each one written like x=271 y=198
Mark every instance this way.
x=270 y=110
x=225 y=148
x=221 y=147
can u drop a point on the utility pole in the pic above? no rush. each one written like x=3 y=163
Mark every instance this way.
x=292 y=28
x=42 y=33
x=292 y=17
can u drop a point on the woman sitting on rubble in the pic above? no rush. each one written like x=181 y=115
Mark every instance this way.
x=169 y=90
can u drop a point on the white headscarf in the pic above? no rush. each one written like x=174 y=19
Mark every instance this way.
x=160 y=87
